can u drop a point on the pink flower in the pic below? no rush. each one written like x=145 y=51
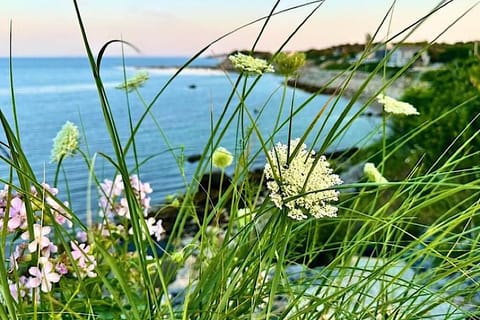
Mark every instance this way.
x=16 y=255
x=46 y=251
x=61 y=216
x=86 y=262
x=43 y=277
x=59 y=212
x=113 y=202
x=39 y=238
x=61 y=268
x=18 y=214
x=81 y=236
x=123 y=210
x=154 y=227
x=111 y=188
x=89 y=271
x=18 y=290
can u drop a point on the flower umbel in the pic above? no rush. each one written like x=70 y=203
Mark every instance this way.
x=289 y=187
x=373 y=174
x=66 y=142
x=135 y=82
x=289 y=63
x=394 y=106
x=222 y=158
x=250 y=65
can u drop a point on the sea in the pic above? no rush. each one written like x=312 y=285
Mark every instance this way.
x=50 y=91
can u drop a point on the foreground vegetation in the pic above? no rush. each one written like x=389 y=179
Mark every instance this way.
x=399 y=242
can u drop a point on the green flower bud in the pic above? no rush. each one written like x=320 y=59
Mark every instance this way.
x=289 y=63
x=222 y=158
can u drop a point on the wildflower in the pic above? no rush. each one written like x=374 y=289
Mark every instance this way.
x=154 y=228
x=250 y=65
x=122 y=209
x=18 y=256
x=61 y=268
x=18 y=290
x=394 y=106
x=289 y=187
x=40 y=238
x=66 y=142
x=81 y=236
x=288 y=63
x=86 y=262
x=43 y=277
x=17 y=214
x=135 y=82
x=113 y=204
x=61 y=216
x=141 y=191
x=109 y=193
x=79 y=253
x=222 y=158
x=373 y=174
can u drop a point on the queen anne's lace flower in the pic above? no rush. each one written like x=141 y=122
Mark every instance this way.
x=289 y=187
x=394 y=106
x=373 y=174
x=66 y=142
x=135 y=82
x=250 y=65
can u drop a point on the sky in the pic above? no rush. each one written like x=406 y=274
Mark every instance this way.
x=183 y=27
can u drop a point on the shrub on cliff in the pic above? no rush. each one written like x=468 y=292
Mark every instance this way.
x=451 y=97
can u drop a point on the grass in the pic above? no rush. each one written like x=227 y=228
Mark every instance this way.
x=403 y=249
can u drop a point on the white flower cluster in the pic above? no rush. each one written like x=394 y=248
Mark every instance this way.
x=136 y=82
x=289 y=187
x=394 y=106
x=250 y=65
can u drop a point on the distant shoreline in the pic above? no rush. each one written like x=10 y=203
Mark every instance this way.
x=314 y=79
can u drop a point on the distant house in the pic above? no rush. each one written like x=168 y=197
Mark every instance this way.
x=400 y=56
x=403 y=54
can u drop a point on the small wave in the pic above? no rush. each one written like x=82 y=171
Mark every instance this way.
x=33 y=90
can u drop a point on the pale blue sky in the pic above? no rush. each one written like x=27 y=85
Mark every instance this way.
x=182 y=27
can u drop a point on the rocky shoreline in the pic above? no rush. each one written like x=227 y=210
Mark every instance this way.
x=314 y=79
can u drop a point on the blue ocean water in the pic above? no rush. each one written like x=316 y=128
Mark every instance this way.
x=50 y=91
